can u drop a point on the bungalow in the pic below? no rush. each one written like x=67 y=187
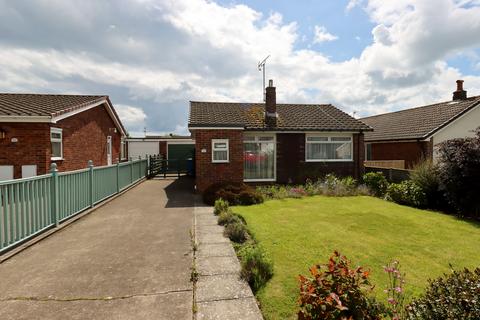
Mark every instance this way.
x=414 y=134
x=273 y=143
x=38 y=129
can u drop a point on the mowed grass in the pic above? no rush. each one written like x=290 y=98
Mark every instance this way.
x=298 y=233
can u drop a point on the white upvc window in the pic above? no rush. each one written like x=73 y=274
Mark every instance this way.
x=220 y=151
x=56 y=138
x=259 y=157
x=328 y=147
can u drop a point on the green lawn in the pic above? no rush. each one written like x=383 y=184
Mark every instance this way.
x=297 y=233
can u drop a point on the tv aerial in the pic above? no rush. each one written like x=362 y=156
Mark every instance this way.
x=261 y=67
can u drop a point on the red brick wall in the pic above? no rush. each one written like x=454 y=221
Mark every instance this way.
x=411 y=152
x=31 y=148
x=292 y=167
x=207 y=172
x=85 y=138
x=163 y=148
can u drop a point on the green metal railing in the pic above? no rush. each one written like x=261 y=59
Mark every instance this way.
x=29 y=206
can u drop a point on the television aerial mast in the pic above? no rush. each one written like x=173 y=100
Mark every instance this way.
x=261 y=67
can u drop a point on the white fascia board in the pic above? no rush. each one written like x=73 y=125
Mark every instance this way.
x=430 y=134
x=43 y=119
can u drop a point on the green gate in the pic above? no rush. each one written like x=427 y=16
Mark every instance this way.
x=180 y=157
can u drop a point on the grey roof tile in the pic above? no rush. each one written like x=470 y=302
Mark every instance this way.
x=314 y=117
x=416 y=123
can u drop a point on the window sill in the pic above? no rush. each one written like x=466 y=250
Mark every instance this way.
x=259 y=180
x=220 y=161
x=330 y=160
x=57 y=159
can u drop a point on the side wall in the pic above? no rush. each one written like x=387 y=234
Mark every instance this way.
x=292 y=167
x=412 y=152
x=85 y=138
x=32 y=146
x=207 y=172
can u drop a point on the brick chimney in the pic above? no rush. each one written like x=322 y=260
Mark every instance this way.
x=460 y=94
x=270 y=105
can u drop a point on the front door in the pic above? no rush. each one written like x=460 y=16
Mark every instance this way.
x=109 y=150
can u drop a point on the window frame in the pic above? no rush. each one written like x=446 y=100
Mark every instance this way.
x=329 y=136
x=214 y=141
x=57 y=140
x=256 y=139
x=123 y=149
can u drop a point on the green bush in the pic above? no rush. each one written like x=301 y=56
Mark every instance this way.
x=460 y=174
x=425 y=175
x=236 y=231
x=249 y=197
x=454 y=296
x=230 y=191
x=406 y=193
x=337 y=291
x=220 y=206
x=376 y=182
x=257 y=269
x=228 y=217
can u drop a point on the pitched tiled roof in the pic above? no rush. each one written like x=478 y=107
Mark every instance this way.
x=321 y=117
x=18 y=104
x=416 y=123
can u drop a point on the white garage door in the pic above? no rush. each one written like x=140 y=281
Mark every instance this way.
x=142 y=148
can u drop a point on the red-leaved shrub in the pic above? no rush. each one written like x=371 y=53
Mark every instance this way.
x=337 y=291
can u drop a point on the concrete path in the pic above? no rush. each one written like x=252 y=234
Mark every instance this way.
x=130 y=259
x=220 y=293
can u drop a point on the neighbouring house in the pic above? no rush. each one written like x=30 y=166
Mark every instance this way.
x=38 y=129
x=273 y=143
x=414 y=134
x=169 y=146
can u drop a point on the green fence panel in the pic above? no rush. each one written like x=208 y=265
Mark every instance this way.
x=104 y=182
x=24 y=209
x=73 y=194
x=124 y=172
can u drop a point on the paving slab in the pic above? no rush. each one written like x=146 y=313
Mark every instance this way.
x=206 y=220
x=204 y=238
x=136 y=246
x=222 y=287
x=216 y=229
x=215 y=250
x=235 y=309
x=218 y=265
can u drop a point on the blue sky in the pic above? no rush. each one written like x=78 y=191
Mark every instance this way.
x=153 y=56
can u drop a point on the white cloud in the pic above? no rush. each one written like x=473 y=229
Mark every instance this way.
x=132 y=117
x=182 y=50
x=352 y=4
x=322 y=35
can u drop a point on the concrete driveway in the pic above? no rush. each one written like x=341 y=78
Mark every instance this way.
x=129 y=259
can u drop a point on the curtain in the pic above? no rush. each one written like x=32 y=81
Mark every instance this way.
x=259 y=160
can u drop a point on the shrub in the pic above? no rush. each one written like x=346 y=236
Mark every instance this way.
x=425 y=175
x=337 y=291
x=376 y=182
x=236 y=231
x=249 y=197
x=460 y=174
x=406 y=193
x=220 y=206
x=230 y=191
x=228 y=217
x=454 y=296
x=256 y=268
